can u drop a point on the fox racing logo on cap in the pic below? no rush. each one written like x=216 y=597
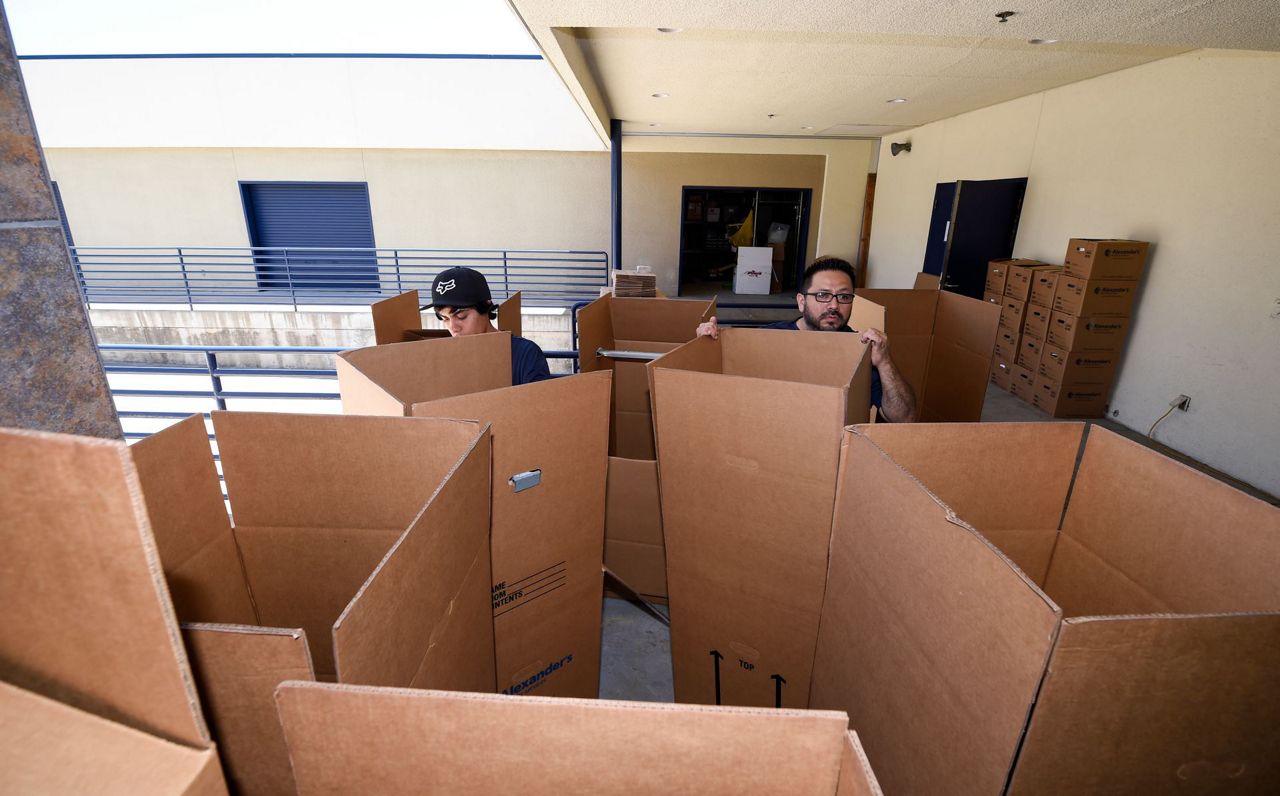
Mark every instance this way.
x=445 y=287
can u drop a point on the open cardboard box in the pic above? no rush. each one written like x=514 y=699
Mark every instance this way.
x=360 y=552
x=1107 y=626
x=88 y=623
x=941 y=342
x=48 y=747
x=634 y=547
x=748 y=446
x=392 y=741
x=547 y=539
x=399 y=319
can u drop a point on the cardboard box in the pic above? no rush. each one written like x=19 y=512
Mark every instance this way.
x=1095 y=367
x=633 y=530
x=992 y=297
x=398 y=742
x=744 y=595
x=88 y=621
x=360 y=552
x=997 y=276
x=399 y=319
x=1036 y=322
x=1029 y=353
x=1080 y=398
x=1012 y=311
x=1126 y=645
x=1096 y=297
x=927 y=282
x=389 y=379
x=1022 y=382
x=1104 y=258
x=49 y=747
x=754 y=272
x=942 y=343
x=1007 y=344
x=1001 y=375
x=1094 y=333
x=1043 y=286
x=1022 y=277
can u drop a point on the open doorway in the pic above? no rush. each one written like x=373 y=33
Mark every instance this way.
x=712 y=221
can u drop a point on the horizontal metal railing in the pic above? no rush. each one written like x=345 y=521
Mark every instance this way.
x=192 y=276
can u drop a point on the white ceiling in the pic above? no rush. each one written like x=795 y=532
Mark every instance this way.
x=828 y=67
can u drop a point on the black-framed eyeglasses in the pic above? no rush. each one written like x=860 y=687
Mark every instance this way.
x=824 y=297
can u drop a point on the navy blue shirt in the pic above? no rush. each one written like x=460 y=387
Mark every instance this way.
x=528 y=363
x=877 y=392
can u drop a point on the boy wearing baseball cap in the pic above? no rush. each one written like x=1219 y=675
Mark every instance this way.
x=461 y=299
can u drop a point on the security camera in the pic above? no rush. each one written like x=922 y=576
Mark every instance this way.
x=894 y=149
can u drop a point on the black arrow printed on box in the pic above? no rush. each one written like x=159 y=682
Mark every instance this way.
x=718 y=657
x=778 y=682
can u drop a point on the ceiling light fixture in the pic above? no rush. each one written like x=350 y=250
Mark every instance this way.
x=660 y=95
x=1042 y=41
x=807 y=127
x=895 y=148
x=897 y=100
x=1003 y=16
x=653 y=124
x=670 y=30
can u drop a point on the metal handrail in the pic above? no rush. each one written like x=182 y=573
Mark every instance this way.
x=311 y=276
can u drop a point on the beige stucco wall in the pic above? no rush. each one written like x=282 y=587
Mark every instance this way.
x=462 y=198
x=1183 y=152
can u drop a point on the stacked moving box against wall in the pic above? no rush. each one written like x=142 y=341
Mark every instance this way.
x=1063 y=328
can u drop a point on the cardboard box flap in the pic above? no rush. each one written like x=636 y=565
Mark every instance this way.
x=192 y=530
x=237 y=668
x=856 y=776
x=825 y=359
x=659 y=320
x=961 y=636
x=956 y=385
x=905 y=311
x=927 y=282
x=510 y=318
x=1202 y=686
x=995 y=476
x=49 y=747
x=547 y=540
x=701 y=354
x=343 y=471
x=76 y=531
x=393 y=317
x=966 y=322
x=361 y=395
x=595 y=331
x=866 y=314
x=432 y=587
x=1191 y=541
x=408 y=741
x=425 y=370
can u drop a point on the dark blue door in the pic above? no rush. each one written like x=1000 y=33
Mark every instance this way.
x=307 y=225
x=939 y=228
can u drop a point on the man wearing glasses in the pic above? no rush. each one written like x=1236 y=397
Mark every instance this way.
x=825 y=302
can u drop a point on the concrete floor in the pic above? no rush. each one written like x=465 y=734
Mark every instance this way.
x=636 y=647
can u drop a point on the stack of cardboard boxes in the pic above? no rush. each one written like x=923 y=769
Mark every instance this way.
x=1062 y=328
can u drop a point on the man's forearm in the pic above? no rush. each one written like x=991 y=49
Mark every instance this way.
x=897 y=399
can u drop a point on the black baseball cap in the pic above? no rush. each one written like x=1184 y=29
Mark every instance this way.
x=460 y=287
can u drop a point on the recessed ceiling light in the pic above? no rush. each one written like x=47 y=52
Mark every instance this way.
x=660 y=95
x=653 y=124
x=807 y=127
x=897 y=100
x=1042 y=41
x=670 y=30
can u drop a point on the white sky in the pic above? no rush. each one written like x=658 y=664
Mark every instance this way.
x=62 y=27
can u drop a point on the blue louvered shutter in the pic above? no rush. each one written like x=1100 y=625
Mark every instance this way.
x=292 y=218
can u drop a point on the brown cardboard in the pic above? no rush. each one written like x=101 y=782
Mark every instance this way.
x=49 y=747
x=411 y=741
x=1044 y=284
x=88 y=619
x=1159 y=611
x=992 y=297
x=1093 y=258
x=317 y=501
x=927 y=282
x=548 y=540
x=997 y=276
x=942 y=343
x=1077 y=297
x=1097 y=367
x=1029 y=353
x=745 y=595
x=1012 y=311
x=399 y=319
x=1036 y=323
x=1022 y=277
x=1079 y=399
x=1001 y=375
x=1094 y=333
x=389 y=379
x=1021 y=382
x=634 y=548
x=1007 y=344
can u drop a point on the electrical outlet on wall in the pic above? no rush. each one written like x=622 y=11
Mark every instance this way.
x=1181 y=402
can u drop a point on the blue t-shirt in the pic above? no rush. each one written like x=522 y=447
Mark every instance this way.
x=528 y=363
x=877 y=392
